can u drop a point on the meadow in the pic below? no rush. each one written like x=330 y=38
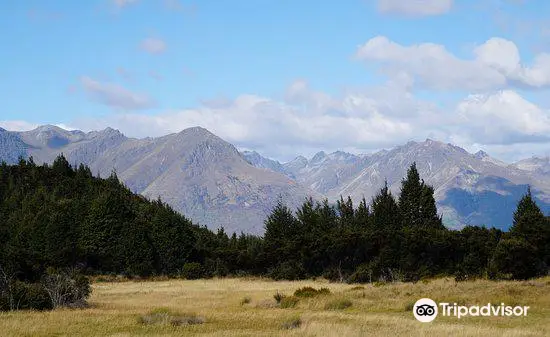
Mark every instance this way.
x=247 y=307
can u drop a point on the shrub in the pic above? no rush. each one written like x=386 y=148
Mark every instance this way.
x=278 y=297
x=516 y=259
x=27 y=296
x=289 y=302
x=311 y=292
x=339 y=304
x=192 y=271
x=284 y=301
x=246 y=300
x=66 y=288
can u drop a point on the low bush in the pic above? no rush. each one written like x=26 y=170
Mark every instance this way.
x=289 y=302
x=311 y=292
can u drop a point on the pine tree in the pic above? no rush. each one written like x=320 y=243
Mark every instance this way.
x=281 y=232
x=385 y=212
x=428 y=209
x=530 y=224
x=363 y=215
x=345 y=211
x=417 y=203
x=409 y=199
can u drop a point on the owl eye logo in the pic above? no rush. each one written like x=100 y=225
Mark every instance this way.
x=425 y=310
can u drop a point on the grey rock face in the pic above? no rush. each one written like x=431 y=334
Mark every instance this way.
x=473 y=189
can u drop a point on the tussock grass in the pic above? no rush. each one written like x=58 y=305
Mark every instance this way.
x=376 y=311
x=339 y=304
x=166 y=316
x=292 y=323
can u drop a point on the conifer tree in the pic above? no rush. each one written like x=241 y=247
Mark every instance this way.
x=531 y=225
x=385 y=212
x=409 y=198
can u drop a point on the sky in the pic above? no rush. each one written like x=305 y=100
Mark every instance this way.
x=282 y=77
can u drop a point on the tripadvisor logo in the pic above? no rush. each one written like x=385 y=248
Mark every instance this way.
x=426 y=310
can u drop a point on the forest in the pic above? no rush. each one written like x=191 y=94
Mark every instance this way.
x=60 y=224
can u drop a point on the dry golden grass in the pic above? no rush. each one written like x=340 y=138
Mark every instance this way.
x=245 y=307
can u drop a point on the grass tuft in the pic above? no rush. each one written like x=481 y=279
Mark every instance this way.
x=163 y=316
x=292 y=323
x=339 y=304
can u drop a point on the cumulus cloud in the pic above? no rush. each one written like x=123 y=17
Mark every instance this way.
x=360 y=121
x=495 y=64
x=153 y=45
x=305 y=122
x=114 y=95
x=415 y=7
x=503 y=118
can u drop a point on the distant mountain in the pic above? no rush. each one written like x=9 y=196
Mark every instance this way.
x=194 y=171
x=325 y=172
x=535 y=164
x=470 y=188
x=255 y=159
x=12 y=146
x=209 y=181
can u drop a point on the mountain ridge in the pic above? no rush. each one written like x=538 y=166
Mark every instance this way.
x=212 y=182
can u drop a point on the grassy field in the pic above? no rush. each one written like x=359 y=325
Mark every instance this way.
x=246 y=307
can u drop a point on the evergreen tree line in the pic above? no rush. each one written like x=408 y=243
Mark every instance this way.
x=401 y=239
x=61 y=217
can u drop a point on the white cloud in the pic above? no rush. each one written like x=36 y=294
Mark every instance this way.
x=503 y=118
x=495 y=64
x=284 y=129
x=114 y=95
x=361 y=121
x=415 y=7
x=153 y=45
x=17 y=125
x=501 y=122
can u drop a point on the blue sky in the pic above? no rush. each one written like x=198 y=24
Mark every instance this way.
x=285 y=77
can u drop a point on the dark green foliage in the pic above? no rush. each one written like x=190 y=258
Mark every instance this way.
x=30 y=296
x=515 y=258
x=395 y=241
x=288 y=270
x=67 y=219
x=192 y=271
x=416 y=202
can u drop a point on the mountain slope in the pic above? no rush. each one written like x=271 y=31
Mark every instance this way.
x=208 y=180
x=469 y=188
x=194 y=171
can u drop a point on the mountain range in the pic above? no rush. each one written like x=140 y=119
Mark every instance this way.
x=211 y=182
